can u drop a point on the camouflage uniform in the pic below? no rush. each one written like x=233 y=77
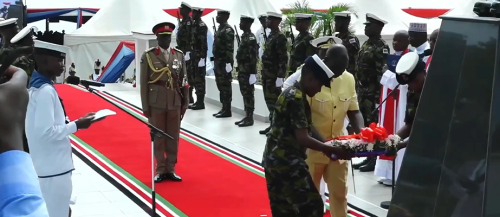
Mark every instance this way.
x=274 y=61
x=290 y=187
x=369 y=69
x=411 y=106
x=301 y=49
x=185 y=44
x=4 y=51
x=223 y=49
x=351 y=42
x=199 y=52
x=246 y=57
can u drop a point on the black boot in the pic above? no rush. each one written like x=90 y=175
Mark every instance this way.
x=265 y=131
x=247 y=121
x=370 y=166
x=240 y=121
x=226 y=112
x=199 y=104
x=220 y=111
x=191 y=99
x=358 y=165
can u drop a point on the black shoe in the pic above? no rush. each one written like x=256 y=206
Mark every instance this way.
x=197 y=106
x=364 y=162
x=247 y=121
x=240 y=121
x=160 y=177
x=369 y=167
x=265 y=131
x=173 y=177
x=221 y=110
x=226 y=113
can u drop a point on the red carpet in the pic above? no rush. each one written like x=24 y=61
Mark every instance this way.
x=211 y=186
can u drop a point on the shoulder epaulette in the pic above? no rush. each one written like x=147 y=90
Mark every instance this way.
x=178 y=50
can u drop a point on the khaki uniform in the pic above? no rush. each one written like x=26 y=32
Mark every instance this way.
x=329 y=109
x=163 y=74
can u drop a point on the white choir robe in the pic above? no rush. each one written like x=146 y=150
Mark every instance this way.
x=391 y=116
x=50 y=148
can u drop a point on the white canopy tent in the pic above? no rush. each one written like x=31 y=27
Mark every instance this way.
x=385 y=9
x=464 y=9
x=117 y=21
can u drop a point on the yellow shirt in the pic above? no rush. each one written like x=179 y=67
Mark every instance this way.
x=329 y=110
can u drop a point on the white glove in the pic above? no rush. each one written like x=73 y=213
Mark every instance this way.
x=229 y=68
x=202 y=62
x=252 y=79
x=187 y=56
x=279 y=82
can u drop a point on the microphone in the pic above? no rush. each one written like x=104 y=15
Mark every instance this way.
x=86 y=83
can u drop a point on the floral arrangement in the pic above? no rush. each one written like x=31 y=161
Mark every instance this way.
x=371 y=141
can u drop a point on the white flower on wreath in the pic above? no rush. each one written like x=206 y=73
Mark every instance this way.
x=369 y=147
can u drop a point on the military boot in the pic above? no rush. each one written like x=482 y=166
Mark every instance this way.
x=199 y=104
x=240 y=121
x=226 y=112
x=220 y=111
x=191 y=99
x=247 y=121
x=265 y=131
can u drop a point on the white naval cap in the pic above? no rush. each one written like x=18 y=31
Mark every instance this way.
x=302 y=16
x=8 y=22
x=26 y=31
x=407 y=66
x=186 y=5
x=418 y=27
x=46 y=48
x=372 y=18
x=325 y=41
x=274 y=15
x=319 y=68
x=1 y=19
x=196 y=9
x=345 y=14
x=262 y=16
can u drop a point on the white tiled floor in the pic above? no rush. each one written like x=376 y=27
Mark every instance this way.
x=96 y=197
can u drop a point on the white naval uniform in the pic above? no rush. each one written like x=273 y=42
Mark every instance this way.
x=261 y=40
x=383 y=168
x=50 y=147
x=420 y=49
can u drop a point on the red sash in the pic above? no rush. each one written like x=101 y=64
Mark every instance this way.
x=428 y=62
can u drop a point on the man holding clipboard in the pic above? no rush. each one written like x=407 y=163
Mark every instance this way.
x=48 y=130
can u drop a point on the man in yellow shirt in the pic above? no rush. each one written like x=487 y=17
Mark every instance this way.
x=329 y=108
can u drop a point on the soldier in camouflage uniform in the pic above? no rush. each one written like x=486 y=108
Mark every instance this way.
x=274 y=61
x=301 y=47
x=290 y=187
x=8 y=29
x=246 y=58
x=410 y=71
x=199 y=56
x=223 y=49
x=369 y=68
x=185 y=43
x=24 y=40
x=349 y=40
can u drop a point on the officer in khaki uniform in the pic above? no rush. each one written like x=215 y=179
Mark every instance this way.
x=329 y=109
x=165 y=97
